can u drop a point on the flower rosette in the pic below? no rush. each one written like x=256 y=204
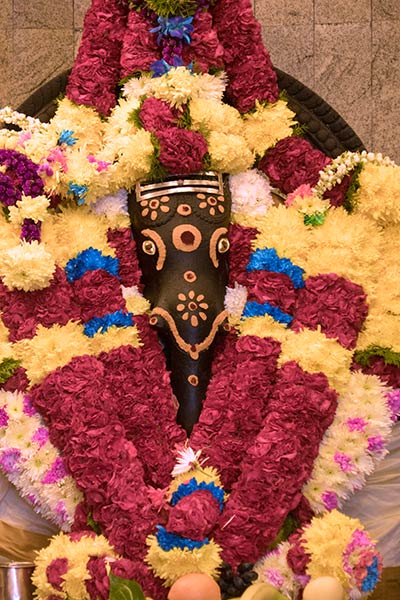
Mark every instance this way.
x=183 y=545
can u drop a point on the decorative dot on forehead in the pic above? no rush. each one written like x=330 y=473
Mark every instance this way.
x=190 y=276
x=184 y=210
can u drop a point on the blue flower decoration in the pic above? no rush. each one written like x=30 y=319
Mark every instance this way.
x=67 y=137
x=78 y=191
x=180 y=28
x=254 y=309
x=90 y=260
x=268 y=260
x=185 y=489
x=102 y=324
x=372 y=578
x=167 y=541
x=161 y=67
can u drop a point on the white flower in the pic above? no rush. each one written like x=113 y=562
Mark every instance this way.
x=111 y=205
x=251 y=193
x=235 y=300
x=186 y=460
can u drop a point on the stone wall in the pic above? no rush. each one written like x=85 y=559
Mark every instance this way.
x=346 y=51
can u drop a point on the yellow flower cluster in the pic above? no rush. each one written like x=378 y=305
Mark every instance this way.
x=326 y=540
x=379 y=192
x=29 y=208
x=77 y=554
x=264 y=127
x=26 y=267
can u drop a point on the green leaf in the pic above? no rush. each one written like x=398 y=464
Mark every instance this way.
x=125 y=589
x=390 y=357
x=7 y=369
x=93 y=524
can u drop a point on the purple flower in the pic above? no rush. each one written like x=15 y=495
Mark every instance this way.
x=40 y=436
x=393 y=400
x=376 y=443
x=61 y=511
x=30 y=231
x=3 y=417
x=9 y=460
x=330 y=500
x=56 y=472
x=274 y=577
x=356 y=424
x=344 y=461
x=28 y=409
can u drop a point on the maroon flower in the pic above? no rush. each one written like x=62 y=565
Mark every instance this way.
x=194 y=516
x=337 y=194
x=240 y=240
x=22 y=312
x=205 y=49
x=99 y=585
x=293 y=162
x=275 y=288
x=297 y=556
x=97 y=293
x=55 y=571
x=181 y=151
x=390 y=374
x=334 y=303
x=125 y=250
x=18 y=381
x=97 y=66
x=157 y=115
x=139 y=48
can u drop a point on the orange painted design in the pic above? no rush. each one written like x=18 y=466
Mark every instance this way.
x=153 y=206
x=184 y=210
x=186 y=238
x=191 y=304
x=190 y=276
x=193 y=380
x=213 y=245
x=192 y=349
x=212 y=204
x=162 y=250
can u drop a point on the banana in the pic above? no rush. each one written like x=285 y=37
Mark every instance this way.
x=261 y=591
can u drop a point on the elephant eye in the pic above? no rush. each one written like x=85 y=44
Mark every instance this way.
x=223 y=245
x=149 y=247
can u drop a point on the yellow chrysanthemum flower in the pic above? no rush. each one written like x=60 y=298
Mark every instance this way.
x=29 y=208
x=326 y=539
x=263 y=327
x=379 y=192
x=83 y=122
x=73 y=230
x=50 y=349
x=210 y=115
x=264 y=127
x=77 y=554
x=172 y=564
x=229 y=153
x=114 y=337
x=27 y=267
x=316 y=353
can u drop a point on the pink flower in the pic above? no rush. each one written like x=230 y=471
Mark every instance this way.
x=157 y=115
x=303 y=191
x=181 y=151
x=293 y=162
x=99 y=585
